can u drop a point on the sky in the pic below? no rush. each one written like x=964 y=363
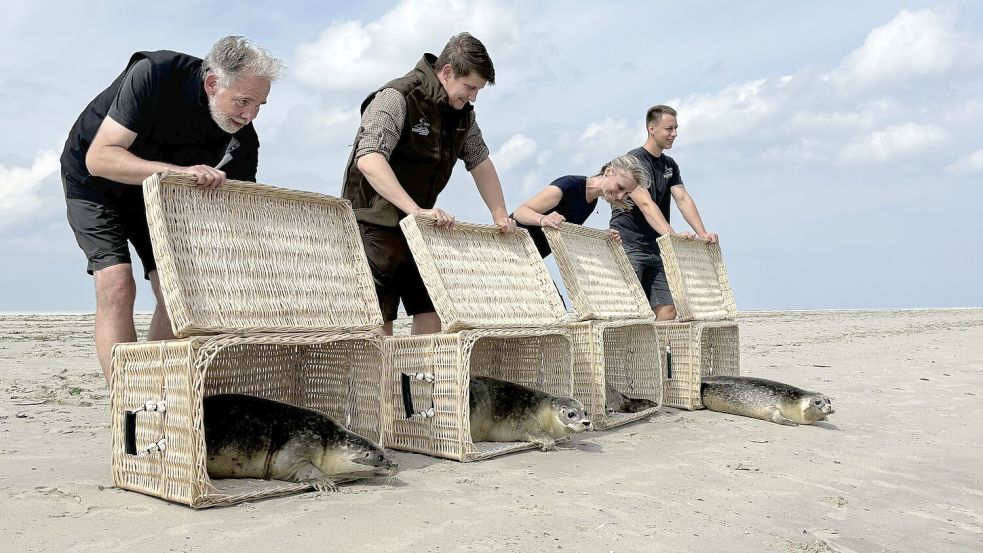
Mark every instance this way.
x=835 y=147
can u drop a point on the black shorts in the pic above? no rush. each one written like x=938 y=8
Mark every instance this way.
x=651 y=273
x=394 y=271
x=104 y=220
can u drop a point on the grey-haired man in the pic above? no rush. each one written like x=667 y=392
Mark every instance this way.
x=166 y=111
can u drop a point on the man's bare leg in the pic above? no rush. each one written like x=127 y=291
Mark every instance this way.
x=387 y=328
x=160 y=324
x=425 y=323
x=664 y=312
x=115 y=292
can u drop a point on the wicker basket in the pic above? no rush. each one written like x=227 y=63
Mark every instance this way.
x=704 y=340
x=502 y=317
x=426 y=411
x=615 y=343
x=248 y=257
x=694 y=349
x=698 y=279
x=480 y=278
x=281 y=276
x=337 y=374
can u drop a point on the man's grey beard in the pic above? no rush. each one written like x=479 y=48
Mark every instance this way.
x=221 y=120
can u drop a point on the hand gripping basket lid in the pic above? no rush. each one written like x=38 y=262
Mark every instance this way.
x=697 y=278
x=248 y=257
x=597 y=274
x=480 y=278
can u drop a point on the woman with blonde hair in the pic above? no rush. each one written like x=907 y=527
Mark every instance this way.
x=573 y=198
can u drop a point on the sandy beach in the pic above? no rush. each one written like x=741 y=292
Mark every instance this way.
x=897 y=468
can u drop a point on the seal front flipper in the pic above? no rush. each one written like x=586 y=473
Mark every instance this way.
x=541 y=439
x=779 y=418
x=307 y=473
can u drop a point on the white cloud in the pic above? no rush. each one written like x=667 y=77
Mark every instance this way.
x=356 y=56
x=801 y=151
x=893 y=142
x=731 y=112
x=26 y=192
x=516 y=150
x=867 y=115
x=915 y=44
x=601 y=141
x=973 y=163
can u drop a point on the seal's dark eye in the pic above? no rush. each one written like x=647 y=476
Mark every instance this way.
x=570 y=414
x=819 y=402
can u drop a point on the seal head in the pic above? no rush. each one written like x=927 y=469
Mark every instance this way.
x=616 y=402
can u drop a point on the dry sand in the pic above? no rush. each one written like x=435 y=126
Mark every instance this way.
x=897 y=468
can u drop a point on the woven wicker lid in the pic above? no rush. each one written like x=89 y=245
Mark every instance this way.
x=598 y=276
x=480 y=278
x=697 y=278
x=247 y=257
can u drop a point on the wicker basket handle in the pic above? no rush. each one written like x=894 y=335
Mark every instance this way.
x=130 y=429
x=411 y=412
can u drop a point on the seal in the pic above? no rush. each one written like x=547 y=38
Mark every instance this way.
x=764 y=399
x=251 y=437
x=503 y=411
x=616 y=402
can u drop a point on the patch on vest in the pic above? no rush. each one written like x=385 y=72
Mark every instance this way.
x=422 y=128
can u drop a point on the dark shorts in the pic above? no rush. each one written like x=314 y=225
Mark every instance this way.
x=105 y=221
x=394 y=271
x=648 y=267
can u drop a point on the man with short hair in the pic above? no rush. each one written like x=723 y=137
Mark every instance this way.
x=647 y=215
x=413 y=131
x=166 y=111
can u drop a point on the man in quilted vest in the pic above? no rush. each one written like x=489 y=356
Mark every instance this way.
x=413 y=131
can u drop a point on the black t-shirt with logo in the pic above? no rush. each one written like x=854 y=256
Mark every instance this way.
x=635 y=230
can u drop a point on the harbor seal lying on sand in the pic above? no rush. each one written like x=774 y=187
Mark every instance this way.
x=616 y=402
x=506 y=412
x=251 y=437
x=764 y=399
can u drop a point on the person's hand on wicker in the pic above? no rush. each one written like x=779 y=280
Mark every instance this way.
x=615 y=235
x=208 y=177
x=443 y=218
x=551 y=220
x=710 y=237
x=506 y=225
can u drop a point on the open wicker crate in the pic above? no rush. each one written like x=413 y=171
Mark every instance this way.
x=704 y=340
x=280 y=279
x=615 y=341
x=438 y=368
x=501 y=317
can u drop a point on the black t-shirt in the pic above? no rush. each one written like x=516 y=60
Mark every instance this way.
x=160 y=96
x=573 y=206
x=635 y=230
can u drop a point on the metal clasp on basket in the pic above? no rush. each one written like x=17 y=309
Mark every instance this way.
x=130 y=429
x=411 y=412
